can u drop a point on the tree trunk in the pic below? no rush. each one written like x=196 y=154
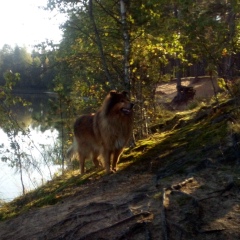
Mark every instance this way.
x=126 y=38
x=99 y=43
x=19 y=159
x=232 y=32
x=177 y=60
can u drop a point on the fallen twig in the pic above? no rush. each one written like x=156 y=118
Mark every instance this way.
x=180 y=185
x=126 y=220
x=163 y=216
x=136 y=228
x=221 y=191
x=211 y=230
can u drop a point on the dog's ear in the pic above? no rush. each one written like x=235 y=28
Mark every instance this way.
x=125 y=93
x=112 y=93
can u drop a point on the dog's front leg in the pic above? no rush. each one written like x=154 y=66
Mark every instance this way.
x=107 y=160
x=116 y=156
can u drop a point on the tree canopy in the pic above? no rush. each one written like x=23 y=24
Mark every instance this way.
x=35 y=69
x=133 y=45
x=153 y=42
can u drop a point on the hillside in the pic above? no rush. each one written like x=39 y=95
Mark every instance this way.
x=182 y=182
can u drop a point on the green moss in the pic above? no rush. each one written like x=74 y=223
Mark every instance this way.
x=158 y=196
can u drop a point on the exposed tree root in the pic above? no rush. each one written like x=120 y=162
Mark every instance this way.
x=103 y=231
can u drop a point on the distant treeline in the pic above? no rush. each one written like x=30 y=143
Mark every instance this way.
x=34 y=69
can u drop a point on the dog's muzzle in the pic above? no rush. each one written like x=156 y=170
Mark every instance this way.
x=127 y=111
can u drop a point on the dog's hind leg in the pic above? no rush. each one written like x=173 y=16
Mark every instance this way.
x=81 y=162
x=116 y=156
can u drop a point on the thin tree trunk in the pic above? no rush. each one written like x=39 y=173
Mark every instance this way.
x=232 y=32
x=178 y=73
x=61 y=116
x=126 y=38
x=20 y=165
x=214 y=89
x=21 y=176
x=178 y=61
x=99 y=44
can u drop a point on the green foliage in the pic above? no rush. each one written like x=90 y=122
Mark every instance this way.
x=8 y=100
x=222 y=84
x=168 y=39
x=234 y=88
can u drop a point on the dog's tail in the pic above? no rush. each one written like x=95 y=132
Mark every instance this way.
x=71 y=152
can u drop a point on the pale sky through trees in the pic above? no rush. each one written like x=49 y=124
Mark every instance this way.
x=22 y=23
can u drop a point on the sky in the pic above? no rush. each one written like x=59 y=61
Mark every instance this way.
x=23 y=23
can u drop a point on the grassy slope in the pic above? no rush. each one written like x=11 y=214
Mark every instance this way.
x=185 y=142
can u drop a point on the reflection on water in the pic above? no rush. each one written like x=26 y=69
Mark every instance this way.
x=39 y=150
x=37 y=171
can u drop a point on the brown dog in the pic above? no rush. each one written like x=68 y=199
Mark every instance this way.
x=104 y=133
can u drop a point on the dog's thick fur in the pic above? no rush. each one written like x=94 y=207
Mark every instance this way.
x=105 y=133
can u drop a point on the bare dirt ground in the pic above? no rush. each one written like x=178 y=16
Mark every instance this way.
x=148 y=200
x=204 y=87
x=138 y=204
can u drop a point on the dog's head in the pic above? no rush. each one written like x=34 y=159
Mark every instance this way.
x=119 y=103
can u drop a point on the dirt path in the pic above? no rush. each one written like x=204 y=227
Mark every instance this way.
x=204 y=89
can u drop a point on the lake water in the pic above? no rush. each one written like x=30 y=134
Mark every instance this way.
x=40 y=149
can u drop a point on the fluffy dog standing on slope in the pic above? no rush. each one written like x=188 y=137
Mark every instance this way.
x=104 y=133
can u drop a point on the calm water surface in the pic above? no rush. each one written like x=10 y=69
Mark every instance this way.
x=38 y=146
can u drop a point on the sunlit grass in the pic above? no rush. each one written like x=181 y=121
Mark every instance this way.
x=48 y=194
